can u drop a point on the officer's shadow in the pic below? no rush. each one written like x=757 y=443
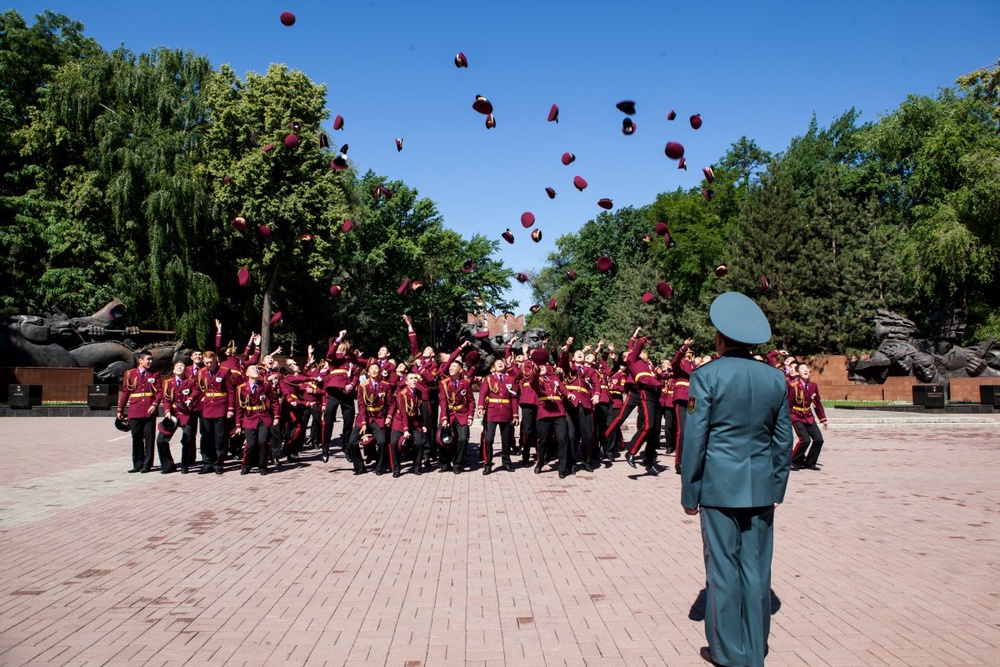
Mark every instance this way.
x=697 y=612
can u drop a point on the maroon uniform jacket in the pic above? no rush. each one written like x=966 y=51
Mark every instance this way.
x=803 y=396
x=256 y=403
x=456 y=400
x=581 y=382
x=406 y=413
x=551 y=392
x=682 y=374
x=525 y=377
x=342 y=370
x=140 y=391
x=498 y=394
x=179 y=398
x=643 y=373
x=375 y=399
x=217 y=392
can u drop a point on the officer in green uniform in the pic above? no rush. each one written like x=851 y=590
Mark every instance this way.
x=737 y=454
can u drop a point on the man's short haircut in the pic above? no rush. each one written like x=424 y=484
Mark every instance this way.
x=143 y=355
x=208 y=354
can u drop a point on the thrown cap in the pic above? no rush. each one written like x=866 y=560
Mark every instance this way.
x=468 y=265
x=765 y=284
x=324 y=141
x=295 y=125
x=307 y=237
x=491 y=121
x=291 y=141
x=461 y=60
x=604 y=263
x=536 y=235
x=567 y=158
x=552 y=303
x=661 y=228
x=403 y=286
x=648 y=298
x=551 y=193
x=243 y=276
x=335 y=291
x=721 y=270
x=626 y=107
x=523 y=278
x=539 y=355
x=628 y=126
x=472 y=357
x=738 y=318
x=696 y=121
x=709 y=174
x=226 y=180
x=482 y=105
x=508 y=236
x=571 y=273
x=481 y=334
x=399 y=144
x=287 y=18
x=348 y=225
x=606 y=204
x=674 y=150
x=534 y=308
x=416 y=286
x=339 y=162
x=664 y=289
x=682 y=164
x=268 y=148
x=239 y=224
x=671 y=115
x=580 y=183
x=554 y=113
x=276 y=317
x=264 y=230
x=338 y=122
x=707 y=194
x=527 y=219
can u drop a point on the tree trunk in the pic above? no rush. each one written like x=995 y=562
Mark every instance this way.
x=265 y=318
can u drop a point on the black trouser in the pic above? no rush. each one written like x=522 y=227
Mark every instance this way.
x=459 y=443
x=293 y=432
x=669 y=430
x=163 y=451
x=803 y=454
x=649 y=405
x=396 y=450
x=680 y=413
x=555 y=426
x=213 y=442
x=337 y=398
x=255 y=450
x=629 y=403
x=429 y=411
x=529 y=433
x=602 y=418
x=189 y=437
x=315 y=423
x=142 y=429
x=506 y=442
x=581 y=432
x=352 y=450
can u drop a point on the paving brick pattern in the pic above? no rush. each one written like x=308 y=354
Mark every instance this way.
x=888 y=556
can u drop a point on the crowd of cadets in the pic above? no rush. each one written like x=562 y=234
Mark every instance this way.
x=564 y=407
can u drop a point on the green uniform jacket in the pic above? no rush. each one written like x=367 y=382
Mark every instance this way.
x=738 y=436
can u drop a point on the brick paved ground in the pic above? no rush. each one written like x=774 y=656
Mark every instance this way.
x=888 y=556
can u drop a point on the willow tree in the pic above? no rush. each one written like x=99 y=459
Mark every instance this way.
x=268 y=168
x=117 y=144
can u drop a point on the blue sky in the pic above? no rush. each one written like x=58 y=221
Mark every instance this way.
x=754 y=68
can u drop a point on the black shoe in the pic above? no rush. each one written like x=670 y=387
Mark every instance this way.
x=277 y=465
x=509 y=467
x=244 y=471
x=630 y=459
x=167 y=471
x=218 y=470
x=562 y=475
x=812 y=467
x=184 y=470
x=293 y=458
x=457 y=469
x=145 y=470
x=487 y=469
x=131 y=470
x=324 y=458
x=538 y=469
x=395 y=474
x=796 y=466
x=417 y=471
x=443 y=467
x=359 y=472
x=379 y=472
x=706 y=655
x=204 y=470
x=263 y=471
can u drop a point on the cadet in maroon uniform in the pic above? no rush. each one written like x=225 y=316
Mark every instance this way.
x=584 y=383
x=457 y=407
x=141 y=394
x=498 y=402
x=217 y=405
x=649 y=387
x=425 y=365
x=803 y=398
x=551 y=413
x=630 y=398
x=339 y=382
x=682 y=365
x=375 y=398
x=407 y=423
x=528 y=402
x=179 y=395
x=256 y=411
